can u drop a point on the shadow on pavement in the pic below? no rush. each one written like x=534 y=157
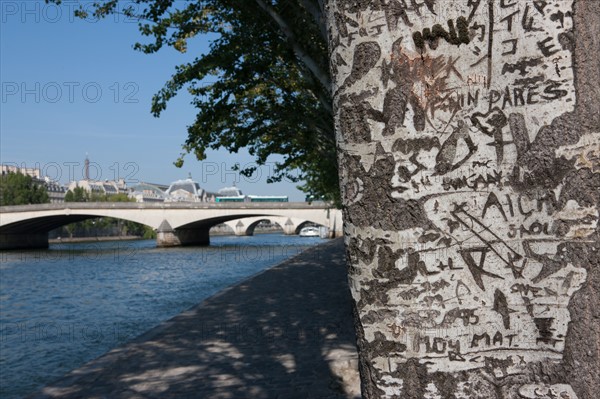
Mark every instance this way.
x=286 y=333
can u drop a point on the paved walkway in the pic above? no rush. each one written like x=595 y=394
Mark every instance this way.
x=285 y=333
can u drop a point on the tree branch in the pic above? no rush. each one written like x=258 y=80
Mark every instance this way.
x=315 y=11
x=302 y=55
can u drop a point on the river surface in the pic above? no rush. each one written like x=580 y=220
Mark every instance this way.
x=64 y=306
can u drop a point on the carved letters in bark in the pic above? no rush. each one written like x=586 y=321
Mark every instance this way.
x=460 y=252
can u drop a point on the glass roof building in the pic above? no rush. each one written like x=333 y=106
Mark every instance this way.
x=188 y=190
x=147 y=192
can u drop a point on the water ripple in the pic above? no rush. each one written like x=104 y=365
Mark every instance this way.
x=62 y=307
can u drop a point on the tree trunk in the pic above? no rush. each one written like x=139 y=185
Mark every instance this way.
x=469 y=142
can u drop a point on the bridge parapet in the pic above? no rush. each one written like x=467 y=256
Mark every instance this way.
x=189 y=222
x=165 y=205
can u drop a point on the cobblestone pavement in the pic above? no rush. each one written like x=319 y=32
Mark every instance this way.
x=285 y=333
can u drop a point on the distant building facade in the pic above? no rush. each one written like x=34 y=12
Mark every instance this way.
x=107 y=187
x=188 y=190
x=56 y=191
x=98 y=187
x=32 y=172
x=185 y=190
x=148 y=192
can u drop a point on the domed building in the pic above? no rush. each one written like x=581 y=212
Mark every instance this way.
x=188 y=190
x=148 y=192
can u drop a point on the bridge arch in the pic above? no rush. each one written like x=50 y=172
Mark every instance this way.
x=33 y=233
x=246 y=226
x=49 y=223
x=302 y=225
x=278 y=222
x=249 y=229
x=175 y=223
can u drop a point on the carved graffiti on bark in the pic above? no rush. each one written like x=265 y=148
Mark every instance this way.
x=457 y=110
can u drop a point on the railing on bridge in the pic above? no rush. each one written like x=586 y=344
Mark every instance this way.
x=168 y=205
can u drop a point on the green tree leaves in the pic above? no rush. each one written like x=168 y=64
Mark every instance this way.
x=264 y=85
x=79 y=194
x=20 y=189
x=106 y=226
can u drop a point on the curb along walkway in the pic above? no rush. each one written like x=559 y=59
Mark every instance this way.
x=285 y=333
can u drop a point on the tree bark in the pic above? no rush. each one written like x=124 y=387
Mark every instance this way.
x=469 y=152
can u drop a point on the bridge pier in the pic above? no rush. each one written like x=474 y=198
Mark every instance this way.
x=289 y=228
x=182 y=238
x=23 y=240
x=241 y=229
x=166 y=236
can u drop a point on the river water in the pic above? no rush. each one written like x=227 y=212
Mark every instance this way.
x=64 y=306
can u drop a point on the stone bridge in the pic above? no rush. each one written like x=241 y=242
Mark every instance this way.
x=176 y=224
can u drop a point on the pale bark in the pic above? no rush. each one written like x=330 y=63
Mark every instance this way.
x=469 y=150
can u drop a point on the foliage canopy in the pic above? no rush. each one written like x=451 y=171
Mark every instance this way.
x=264 y=85
x=79 y=194
x=20 y=189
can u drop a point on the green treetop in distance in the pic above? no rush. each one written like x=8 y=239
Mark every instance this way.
x=264 y=85
x=79 y=194
x=20 y=189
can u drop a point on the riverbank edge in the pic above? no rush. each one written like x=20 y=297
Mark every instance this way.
x=345 y=365
x=75 y=240
x=145 y=336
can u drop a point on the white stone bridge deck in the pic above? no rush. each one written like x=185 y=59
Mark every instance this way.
x=27 y=226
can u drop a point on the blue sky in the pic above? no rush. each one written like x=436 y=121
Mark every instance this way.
x=71 y=87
